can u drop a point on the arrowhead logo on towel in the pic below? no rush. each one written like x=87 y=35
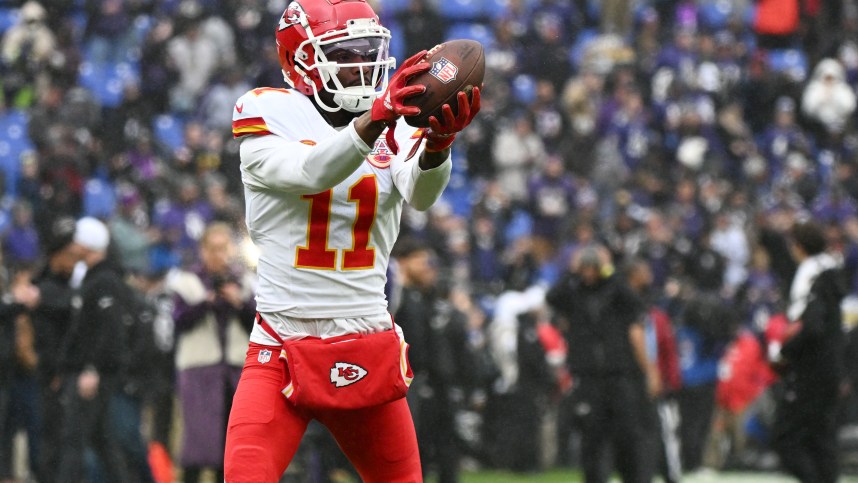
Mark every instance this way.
x=346 y=373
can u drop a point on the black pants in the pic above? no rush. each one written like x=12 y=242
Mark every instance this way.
x=434 y=423
x=52 y=418
x=5 y=449
x=805 y=434
x=616 y=417
x=696 y=405
x=87 y=425
x=512 y=428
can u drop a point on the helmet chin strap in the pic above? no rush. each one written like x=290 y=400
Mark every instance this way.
x=357 y=102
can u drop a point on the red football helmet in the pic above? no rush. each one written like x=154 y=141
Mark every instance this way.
x=313 y=34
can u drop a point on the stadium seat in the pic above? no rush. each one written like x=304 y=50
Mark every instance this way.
x=94 y=78
x=594 y=8
x=392 y=7
x=714 y=14
x=524 y=89
x=749 y=14
x=792 y=62
x=458 y=10
x=8 y=18
x=14 y=141
x=584 y=39
x=474 y=31
x=99 y=198
x=79 y=20
x=107 y=81
x=496 y=8
x=169 y=130
x=397 y=42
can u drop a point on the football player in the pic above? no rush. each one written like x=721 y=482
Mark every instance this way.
x=325 y=176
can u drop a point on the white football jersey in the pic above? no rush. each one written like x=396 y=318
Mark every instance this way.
x=322 y=207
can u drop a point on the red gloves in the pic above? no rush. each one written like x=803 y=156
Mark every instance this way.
x=440 y=136
x=391 y=105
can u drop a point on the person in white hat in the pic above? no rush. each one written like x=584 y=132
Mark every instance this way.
x=93 y=359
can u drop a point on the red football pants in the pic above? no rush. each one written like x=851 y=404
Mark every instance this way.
x=265 y=430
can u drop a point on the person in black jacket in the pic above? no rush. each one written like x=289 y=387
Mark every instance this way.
x=15 y=305
x=51 y=320
x=436 y=332
x=92 y=360
x=811 y=361
x=603 y=321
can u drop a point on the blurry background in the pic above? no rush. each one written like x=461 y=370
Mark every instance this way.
x=688 y=134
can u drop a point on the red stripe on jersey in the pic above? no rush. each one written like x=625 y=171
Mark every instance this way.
x=250 y=125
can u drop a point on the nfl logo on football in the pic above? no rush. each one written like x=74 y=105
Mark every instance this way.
x=444 y=70
x=264 y=356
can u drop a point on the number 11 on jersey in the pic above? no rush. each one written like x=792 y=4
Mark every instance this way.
x=316 y=254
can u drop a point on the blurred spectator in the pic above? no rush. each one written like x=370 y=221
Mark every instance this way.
x=728 y=238
x=52 y=320
x=158 y=70
x=617 y=17
x=827 y=98
x=129 y=229
x=517 y=149
x=707 y=327
x=782 y=136
x=214 y=307
x=421 y=25
x=27 y=48
x=581 y=98
x=109 y=35
x=516 y=407
x=551 y=200
x=156 y=311
x=811 y=362
x=183 y=220
x=743 y=375
x=661 y=352
x=23 y=411
x=217 y=103
x=438 y=357
x=92 y=361
x=126 y=406
x=21 y=240
x=196 y=57
x=548 y=119
x=19 y=359
x=550 y=62
x=603 y=321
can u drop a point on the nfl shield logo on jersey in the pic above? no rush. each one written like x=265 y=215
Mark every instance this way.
x=264 y=356
x=444 y=70
x=346 y=373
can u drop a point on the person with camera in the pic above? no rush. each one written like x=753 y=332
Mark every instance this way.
x=214 y=308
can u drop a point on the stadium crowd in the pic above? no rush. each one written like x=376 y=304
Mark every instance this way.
x=674 y=143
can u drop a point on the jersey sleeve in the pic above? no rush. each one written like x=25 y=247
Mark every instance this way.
x=287 y=146
x=420 y=188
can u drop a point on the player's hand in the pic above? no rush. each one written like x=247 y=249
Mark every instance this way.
x=391 y=104
x=440 y=136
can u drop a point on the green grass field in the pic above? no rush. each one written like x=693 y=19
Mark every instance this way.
x=568 y=476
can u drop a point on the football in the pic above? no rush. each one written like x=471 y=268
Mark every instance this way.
x=457 y=65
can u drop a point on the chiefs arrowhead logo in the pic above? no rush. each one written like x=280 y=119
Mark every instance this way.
x=239 y=107
x=292 y=16
x=346 y=373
